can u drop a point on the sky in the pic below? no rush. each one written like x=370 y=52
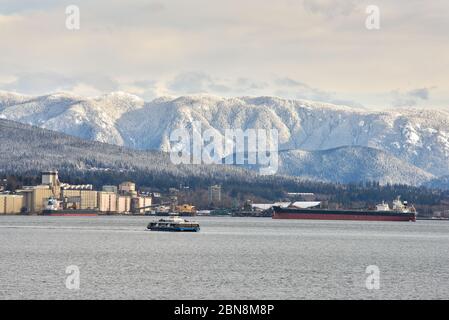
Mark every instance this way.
x=298 y=49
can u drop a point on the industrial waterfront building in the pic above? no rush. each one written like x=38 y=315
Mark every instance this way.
x=10 y=204
x=111 y=200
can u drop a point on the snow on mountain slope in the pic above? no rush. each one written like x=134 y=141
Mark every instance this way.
x=91 y=119
x=418 y=137
x=438 y=183
x=351 y=164
x=34 y=149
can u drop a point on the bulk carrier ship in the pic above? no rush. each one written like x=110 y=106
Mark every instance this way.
x=53 y=208
x=401 y=211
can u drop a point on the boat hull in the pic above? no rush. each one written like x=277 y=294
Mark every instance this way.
x=321 y=214
x=70 y=213
x=175 y=229
x=170 y=214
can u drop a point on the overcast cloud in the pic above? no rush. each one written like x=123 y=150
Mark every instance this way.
x=310 y=49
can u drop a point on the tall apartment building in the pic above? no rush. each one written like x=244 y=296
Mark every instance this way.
x=215 y=195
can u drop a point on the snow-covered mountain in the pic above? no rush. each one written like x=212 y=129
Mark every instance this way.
x=90 y=119
x=25 y=148
x=438 y=183
x=351 y=164
x=417 y=137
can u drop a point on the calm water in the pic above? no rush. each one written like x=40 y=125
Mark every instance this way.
x=243 y=258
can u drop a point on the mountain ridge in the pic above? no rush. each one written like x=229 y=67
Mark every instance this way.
x=351 y=164
x=34 y=149
x=416 y=136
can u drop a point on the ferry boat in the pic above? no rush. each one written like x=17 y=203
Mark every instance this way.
x=53 y=208
x=401 y=211
x=174 y=224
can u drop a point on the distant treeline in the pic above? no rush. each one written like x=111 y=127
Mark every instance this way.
x=269 y=188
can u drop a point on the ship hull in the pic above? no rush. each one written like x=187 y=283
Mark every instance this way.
x=180 y=214
x=176 y=229
x=185 y=214
x=321 y=214
x=69 y=213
